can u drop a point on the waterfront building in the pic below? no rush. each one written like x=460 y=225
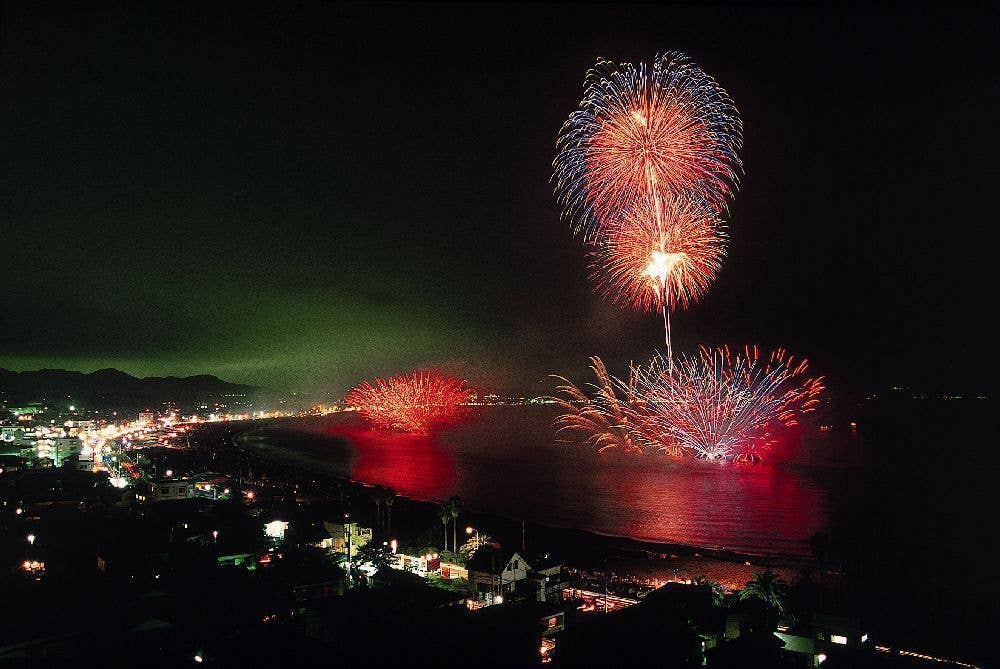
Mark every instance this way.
x=493 y=572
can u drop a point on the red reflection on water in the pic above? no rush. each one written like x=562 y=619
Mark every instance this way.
x=412 y=464
x=504 y=461
x=720 y=504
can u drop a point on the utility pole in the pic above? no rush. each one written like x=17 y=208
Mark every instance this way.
x=347 y=538
x=605 y=580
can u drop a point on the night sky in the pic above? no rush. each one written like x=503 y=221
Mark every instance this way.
x=304 y=196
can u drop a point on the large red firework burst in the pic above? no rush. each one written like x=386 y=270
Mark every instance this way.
x=720 y=405
x=716 y=405
x=415 y=402
x=646 y=133
x=651 y=265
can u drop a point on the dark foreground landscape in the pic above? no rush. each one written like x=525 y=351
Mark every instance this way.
x=891 y=523
x=904 y=534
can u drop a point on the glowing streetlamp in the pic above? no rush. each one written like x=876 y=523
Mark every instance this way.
x=31 y=539
x=475 y=539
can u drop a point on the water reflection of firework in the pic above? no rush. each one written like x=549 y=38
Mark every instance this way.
x=415 y=402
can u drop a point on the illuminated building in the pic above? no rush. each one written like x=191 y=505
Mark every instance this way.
x=824 y=636
x=344 y=535
x=275 y=529
x=18 y=435
x=168 y=489
x=493 y=573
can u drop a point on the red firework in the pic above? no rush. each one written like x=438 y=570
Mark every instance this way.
x=724 y=405
x=660 y=262
x=646 y=133
x=415 y=402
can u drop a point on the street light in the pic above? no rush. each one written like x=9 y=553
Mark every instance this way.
x=475 y=539
x=31 y=539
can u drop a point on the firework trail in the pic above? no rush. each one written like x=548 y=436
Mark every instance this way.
x=649 y=266
x=415 y=402
x=721 y=405
x=609 y=414
x=604 y=417
x=646 y=134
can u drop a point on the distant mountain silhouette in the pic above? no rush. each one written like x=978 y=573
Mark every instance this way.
x=113 y=389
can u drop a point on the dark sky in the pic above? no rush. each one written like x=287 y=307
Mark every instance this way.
x=305 y=195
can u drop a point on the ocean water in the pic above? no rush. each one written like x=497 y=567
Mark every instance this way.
x=506 y=460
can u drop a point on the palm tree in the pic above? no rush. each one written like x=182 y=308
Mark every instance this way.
x=378 y=497
x=453 y=506
x=768 y=588
x=390 y=497
x=445 y=516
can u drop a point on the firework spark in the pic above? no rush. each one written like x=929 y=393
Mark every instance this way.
x=603 y=417
x=415 y=402
x=715 y=405
x=646 y=134
x=650 y=266
x=721 y=405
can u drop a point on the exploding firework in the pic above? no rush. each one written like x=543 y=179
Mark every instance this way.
x=721 y=405
x=654 y=267
x=649 y=266
x=604 y=416
x=646 y=134
x=715 y=405
x=415 y=402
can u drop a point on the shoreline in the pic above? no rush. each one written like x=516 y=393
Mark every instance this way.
x=635 y=560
